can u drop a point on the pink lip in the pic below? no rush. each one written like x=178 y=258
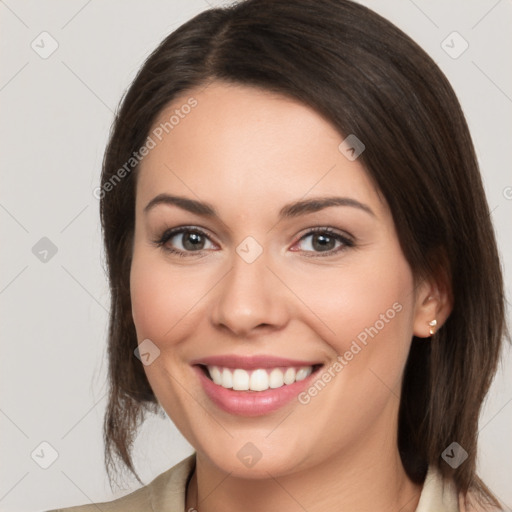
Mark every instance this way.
x=252 y=403
x=251 y=362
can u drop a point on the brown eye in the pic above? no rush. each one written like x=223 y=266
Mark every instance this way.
x=321 y=242
x=324 y=241
x=184 y=240
x=191 y=241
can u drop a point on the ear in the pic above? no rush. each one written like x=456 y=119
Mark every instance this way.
x=434 y=304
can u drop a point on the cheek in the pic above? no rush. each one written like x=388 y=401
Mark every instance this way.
x=164 y=301
x=365 y=313
x=352 y=298
x=368 y=312
x=161 y=297
x=149 y=300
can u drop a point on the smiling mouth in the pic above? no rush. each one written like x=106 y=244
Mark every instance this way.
x=260 y=379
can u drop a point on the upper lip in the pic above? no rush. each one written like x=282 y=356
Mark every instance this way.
x=251 y=362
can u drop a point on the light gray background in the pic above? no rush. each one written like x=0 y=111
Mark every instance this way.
x=56 y=113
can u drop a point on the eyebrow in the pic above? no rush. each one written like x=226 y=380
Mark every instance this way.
x=294 y=209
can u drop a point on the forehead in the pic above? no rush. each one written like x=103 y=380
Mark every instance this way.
x=245 y=145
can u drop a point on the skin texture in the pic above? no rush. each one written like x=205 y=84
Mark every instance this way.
x=248 y=153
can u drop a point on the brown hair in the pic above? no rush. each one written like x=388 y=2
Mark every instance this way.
x=368 y=78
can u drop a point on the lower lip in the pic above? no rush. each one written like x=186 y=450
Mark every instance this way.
x=252 y=403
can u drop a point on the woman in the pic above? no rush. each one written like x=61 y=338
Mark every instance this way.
x=303 y=270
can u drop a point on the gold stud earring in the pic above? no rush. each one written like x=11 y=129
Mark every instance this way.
x=432 y=324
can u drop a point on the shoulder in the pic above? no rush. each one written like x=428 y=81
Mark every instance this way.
x=165 y=491
x=138 y=500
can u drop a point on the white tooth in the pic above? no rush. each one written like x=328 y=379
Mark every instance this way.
x=215 y=374
x=227 y=379
x=276 y=379
x=240 y=380
x=303 y=373
x=259 y=380
x=289 y=376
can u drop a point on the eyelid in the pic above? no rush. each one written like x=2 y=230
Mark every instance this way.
x=326 y=229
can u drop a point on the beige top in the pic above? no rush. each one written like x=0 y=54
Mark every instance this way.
x=166 y=493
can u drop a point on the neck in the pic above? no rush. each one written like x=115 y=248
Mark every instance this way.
x=363 y=478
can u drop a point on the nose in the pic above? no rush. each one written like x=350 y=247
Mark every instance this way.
x=250 y=299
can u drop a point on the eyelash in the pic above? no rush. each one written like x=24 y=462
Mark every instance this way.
x=170 y=233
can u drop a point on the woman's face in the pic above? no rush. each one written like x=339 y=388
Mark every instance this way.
x=268 y=282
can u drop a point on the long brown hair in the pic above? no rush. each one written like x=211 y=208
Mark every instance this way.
x=368 y=78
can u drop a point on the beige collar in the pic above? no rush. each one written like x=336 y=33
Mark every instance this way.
x=437 y=494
